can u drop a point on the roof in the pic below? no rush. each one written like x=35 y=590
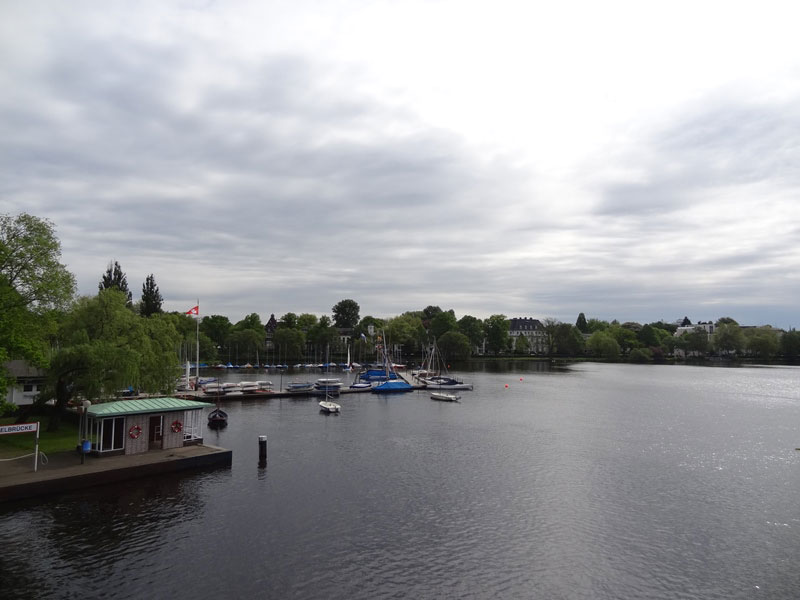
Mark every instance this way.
x=144 y=405
x=22 y=369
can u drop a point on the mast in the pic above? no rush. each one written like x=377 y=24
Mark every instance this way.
x=198 y=341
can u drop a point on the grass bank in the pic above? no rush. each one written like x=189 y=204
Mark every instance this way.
x=18 y=444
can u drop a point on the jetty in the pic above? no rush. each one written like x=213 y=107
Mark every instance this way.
x=64 y=472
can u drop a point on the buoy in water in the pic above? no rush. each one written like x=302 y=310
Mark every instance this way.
x=506 y=385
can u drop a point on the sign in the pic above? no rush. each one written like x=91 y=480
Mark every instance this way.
x=19 y=428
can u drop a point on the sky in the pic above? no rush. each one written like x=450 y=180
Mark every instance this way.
x=632 y=160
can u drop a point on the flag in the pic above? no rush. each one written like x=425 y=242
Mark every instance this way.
x=363 y=337
x=194 y=311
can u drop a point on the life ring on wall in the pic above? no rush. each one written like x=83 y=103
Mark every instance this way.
x=135 y=431
x=177 y=426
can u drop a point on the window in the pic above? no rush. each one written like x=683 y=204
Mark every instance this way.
x=113 y=434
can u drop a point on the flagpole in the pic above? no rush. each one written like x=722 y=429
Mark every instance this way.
x=197 y=382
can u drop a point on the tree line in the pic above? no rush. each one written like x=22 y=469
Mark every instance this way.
x=91 y=347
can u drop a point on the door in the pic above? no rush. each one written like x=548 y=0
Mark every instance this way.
x=156 y=438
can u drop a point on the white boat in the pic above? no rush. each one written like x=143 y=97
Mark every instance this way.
x=249 y=387
x=212 y=388
x=445 y=397
x=329 y=407
x=230 y=387
x=264 y=386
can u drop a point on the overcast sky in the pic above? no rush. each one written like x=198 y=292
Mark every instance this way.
x=629 y=160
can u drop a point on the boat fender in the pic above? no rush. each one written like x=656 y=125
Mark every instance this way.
x=177 y=426
x=135 y=431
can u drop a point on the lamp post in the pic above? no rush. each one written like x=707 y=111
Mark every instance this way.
x=85 y=443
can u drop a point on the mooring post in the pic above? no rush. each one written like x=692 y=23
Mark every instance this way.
x=262 y=451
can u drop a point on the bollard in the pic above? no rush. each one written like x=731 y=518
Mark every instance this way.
x=262 y=450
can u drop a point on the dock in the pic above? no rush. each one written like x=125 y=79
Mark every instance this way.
x=64 y=471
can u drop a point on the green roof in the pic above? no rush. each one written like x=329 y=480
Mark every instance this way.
x=144 y=405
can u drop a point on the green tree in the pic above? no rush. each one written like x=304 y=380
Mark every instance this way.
x=726 y=321
x=626 y=338
x=251 y=322
x=290 y=343
x=728 y=339
x=306 y=321
x=115 y=278
x=593 y=325
x=581 y=324
x=697 y=340
x=288 y=320
x=790 y=345
x=324 y=335
x=496 y=327
x=763 y=342
x=29 y=264
x=103 y=347
x=567 y=340
x=217 y=328
x=345 y=313
x=602 y=344
x=442 y=323
x=454 y=346
x=151 y=297
x=472 y=327
x=648 y=336
x=246 y=344
x=521 y=344
x=403 y=330
x=640 y=355
x=34 y=288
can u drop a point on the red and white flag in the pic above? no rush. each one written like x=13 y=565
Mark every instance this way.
x=194 y=311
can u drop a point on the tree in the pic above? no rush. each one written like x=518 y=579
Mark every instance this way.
x=251 y=322
x=762 y=342
x=288 y=320
x=593 y=325
x=217 y=328
x=581 y=324
x=790 y=345
x=290 y=343
x=522 y=345
x=442 y=323
x=567 y=340
x=497 y=333
x=640 y=355
x=29 y=264
x=151 y=297
x=602 y=344
x=726 y=321
x=728 y=338
x=34 y=288
x=115 y=278
x=626 y=338
x=686 y=322
x=103 y=347
x=696 y=340
x=306 y=321
x=345 y=314
x=648 y=336
x=472 y=327
x=454 y=346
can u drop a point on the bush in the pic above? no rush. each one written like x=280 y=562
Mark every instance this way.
x=640 y=355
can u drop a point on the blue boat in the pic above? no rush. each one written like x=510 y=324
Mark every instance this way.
x=392 y=387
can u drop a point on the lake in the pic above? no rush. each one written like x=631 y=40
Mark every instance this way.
x=593 y=481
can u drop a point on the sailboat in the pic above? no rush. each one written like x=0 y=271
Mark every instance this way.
x=393 y=382
x=348 y=367
x=329 y=385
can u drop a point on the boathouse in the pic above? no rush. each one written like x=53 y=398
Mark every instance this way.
x=136 y=426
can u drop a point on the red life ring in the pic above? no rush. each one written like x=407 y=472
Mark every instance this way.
x=177 y=426
x=135 y=431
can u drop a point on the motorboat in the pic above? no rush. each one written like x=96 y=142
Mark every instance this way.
x=445 y=397
x=217 y=418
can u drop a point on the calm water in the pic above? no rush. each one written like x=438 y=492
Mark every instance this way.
x=601 y=481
